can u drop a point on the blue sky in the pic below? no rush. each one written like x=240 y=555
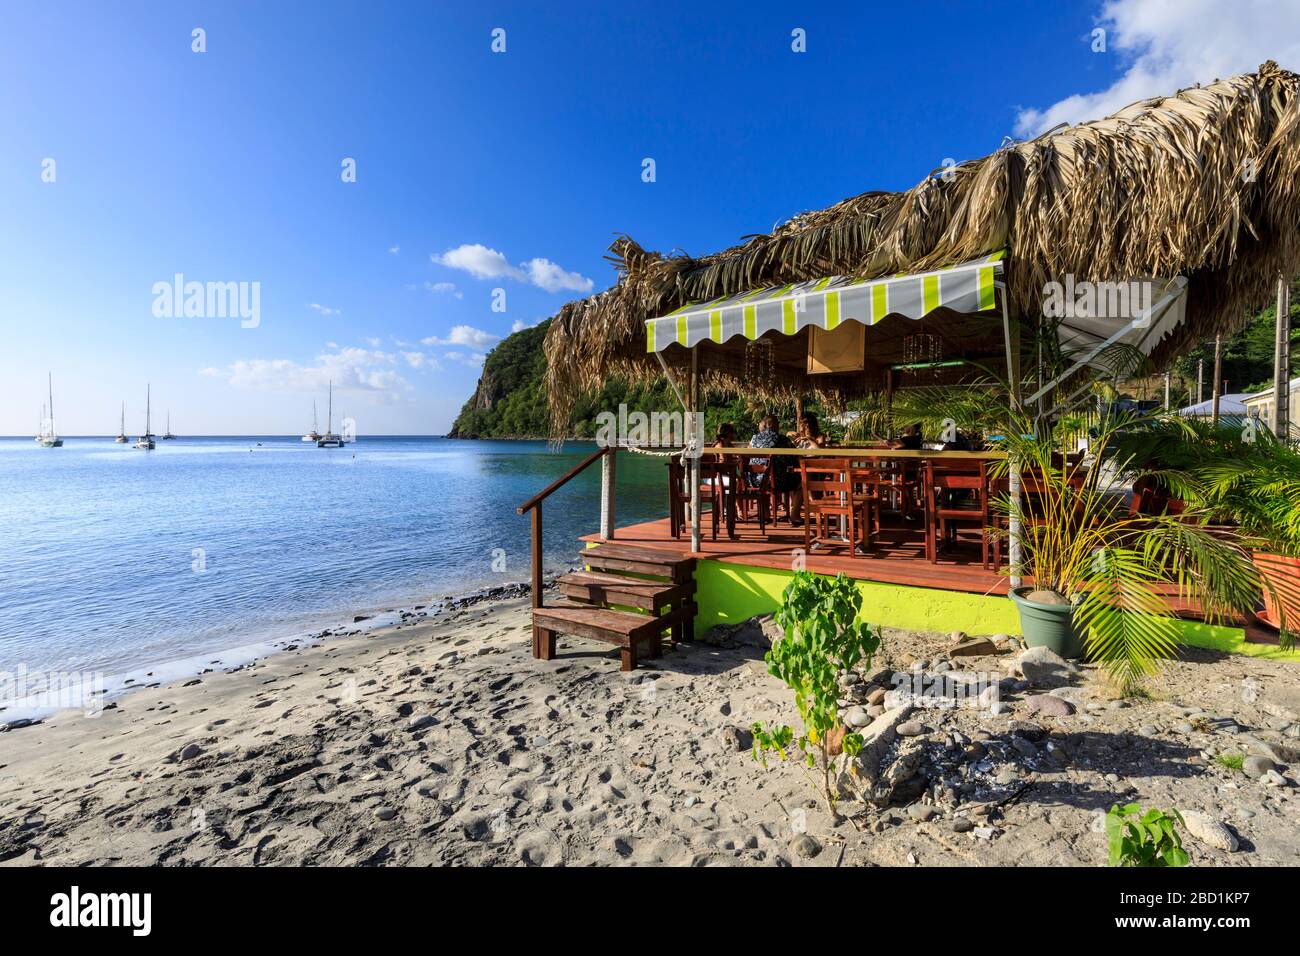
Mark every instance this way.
x=475 y=170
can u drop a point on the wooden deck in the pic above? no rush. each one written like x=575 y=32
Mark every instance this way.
x=896 y=557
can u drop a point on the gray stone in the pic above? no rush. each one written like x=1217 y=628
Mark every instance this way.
x=1210 y=831
x=973 y=647
x=877 y=738
x=1256 y=765
x=911 y=728
x=386 y=813
x=921 y=812
x=737 y=738
x=857 y=717
x=877 y=696
x=962 y=825
x=1272 y=778
x=806 y=846
x=1026 y=748
x=1043 y=667
x=190 y=751
x=419 y=722
x=1047 y=705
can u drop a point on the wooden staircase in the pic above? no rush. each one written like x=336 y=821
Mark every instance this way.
x=626 y=595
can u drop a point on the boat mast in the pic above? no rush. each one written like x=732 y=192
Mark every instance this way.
x=313 y=415
x=121 y=429
x=146 y=408
x=51 y=374
x=329 y=416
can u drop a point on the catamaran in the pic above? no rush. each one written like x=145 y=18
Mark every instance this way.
x=146 y=441
x=329 y=439
x=167 y=435
x=121 y=429
x=48 y=439
x=312 y=435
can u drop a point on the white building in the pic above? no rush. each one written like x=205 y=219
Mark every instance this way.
x=1260 y=404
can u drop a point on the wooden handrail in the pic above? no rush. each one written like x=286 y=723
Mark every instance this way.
x=534 y=504
x=554 y=486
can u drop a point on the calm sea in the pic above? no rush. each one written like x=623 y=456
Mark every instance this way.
x=113 y=559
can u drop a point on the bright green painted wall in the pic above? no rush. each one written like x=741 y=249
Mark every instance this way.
x=728 y=593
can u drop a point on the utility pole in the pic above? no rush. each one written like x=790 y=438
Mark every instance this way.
x=1218 y=370
x=1281 y=423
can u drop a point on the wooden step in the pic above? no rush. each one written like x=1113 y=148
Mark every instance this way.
x=612 y=556
x=627 y=629
x=600 y=588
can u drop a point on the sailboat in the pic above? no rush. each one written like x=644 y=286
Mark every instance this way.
x=312 y=435
x=121 y=429
x=145 y=441
x=167 y=435
x=329 y=439
x=40 y=425
x=50 y=439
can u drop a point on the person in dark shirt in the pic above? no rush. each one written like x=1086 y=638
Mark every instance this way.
x=783 y=478
x=910 y=440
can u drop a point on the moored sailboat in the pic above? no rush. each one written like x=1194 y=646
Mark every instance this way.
x=145 y=442
x=49 y=439
x=167 y=435
x=329 y=439
x=312 y=435
x=121 y=429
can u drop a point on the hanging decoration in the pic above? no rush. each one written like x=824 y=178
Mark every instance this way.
x=760 y=366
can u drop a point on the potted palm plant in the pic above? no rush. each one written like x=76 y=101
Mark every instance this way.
x=1243 y=474
x=1107 y=582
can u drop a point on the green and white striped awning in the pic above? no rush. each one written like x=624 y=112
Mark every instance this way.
x=826 y=303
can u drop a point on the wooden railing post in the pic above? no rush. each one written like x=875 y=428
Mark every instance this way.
x=537 y=555
x=607 y=494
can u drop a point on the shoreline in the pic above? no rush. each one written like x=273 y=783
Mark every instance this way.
x=92 y=692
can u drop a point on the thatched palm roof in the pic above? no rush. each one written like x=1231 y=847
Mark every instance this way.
x=1204 y=183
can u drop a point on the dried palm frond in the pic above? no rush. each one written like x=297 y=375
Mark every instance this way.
x=1204 y=183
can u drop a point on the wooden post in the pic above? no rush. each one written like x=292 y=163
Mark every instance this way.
x=1012 y=343
x=607 y=494
x=1200 y=379
x=1166 y=390
x=1281 y=423
x=693 y=470
x=1218 y=373
x=538 y=635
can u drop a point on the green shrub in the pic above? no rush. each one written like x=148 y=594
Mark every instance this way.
x=1135 y=838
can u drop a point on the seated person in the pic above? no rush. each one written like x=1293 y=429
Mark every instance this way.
x=810 y=433
x=783 y=478
x=910 y=440
x=726 y=436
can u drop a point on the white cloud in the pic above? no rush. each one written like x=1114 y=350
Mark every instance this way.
x=421 y=360
x=518 y=325
x=394 y=250
x=465 y=335
x=484 y=263
x=350 y=369
x=480 y=262
x=1172 y=44
x=444 y=288
x=545 y=274
x=373 y=342
x=324 y=309
x=472 y=359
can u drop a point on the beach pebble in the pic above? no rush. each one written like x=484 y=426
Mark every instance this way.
x=910 y=728
x=1256 y=766
x=419 y=722
x=962 y=825
x=190 y=751
x=922 y=813
x=1209 y=831
x=386 y=813
x=806 y=846
x=1048 y=705
x=857 y=717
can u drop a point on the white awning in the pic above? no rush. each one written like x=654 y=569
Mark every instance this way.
x=825 y=303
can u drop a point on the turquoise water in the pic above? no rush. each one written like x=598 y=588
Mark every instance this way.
x=113 y=558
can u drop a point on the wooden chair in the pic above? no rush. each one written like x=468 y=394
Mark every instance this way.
x=753 y=487
x=956 y=493
x=828 y=493
x=717 y=481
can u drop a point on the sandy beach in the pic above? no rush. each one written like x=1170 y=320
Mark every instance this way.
x=444 y=742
